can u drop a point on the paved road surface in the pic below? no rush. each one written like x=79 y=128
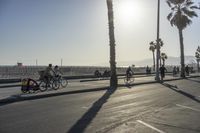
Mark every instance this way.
x=154 y=108
x=74 y=85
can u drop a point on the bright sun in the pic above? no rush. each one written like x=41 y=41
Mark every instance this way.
x=128 y=11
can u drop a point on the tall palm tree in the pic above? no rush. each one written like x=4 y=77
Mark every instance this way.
x=113 y=79
x=197 y=55
x=152 y=48
x=182 y=11
x=163 y=57
x=157 y=42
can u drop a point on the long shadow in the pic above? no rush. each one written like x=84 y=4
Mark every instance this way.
x=197 y=81
x=176 y=89
x=18 y=98
x=86 y=119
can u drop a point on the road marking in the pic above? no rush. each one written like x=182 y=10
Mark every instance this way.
x=84 y=107
x=188 y=107
x=156 y=129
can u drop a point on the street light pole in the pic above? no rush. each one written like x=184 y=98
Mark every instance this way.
x=157 y=43
x=113 y=78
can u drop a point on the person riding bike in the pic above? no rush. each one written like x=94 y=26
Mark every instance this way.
x=129 y=73
x=57 y=71
x=48 y=73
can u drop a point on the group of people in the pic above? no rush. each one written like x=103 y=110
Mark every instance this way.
x=129 y=71
x=51 y=72
x=148 y=70
x=175 y=70
x=106 y=73
x=47 y=75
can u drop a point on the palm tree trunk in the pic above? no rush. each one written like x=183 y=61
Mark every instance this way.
x=113 y=79
x=153 y=61
x=157 y=42
x=160 y=62
x=163 y=62
x=182 y=53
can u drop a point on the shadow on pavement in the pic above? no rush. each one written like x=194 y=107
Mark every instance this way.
x=175 y=88
x=87 y=118
x=193 y=80
x=18 y=98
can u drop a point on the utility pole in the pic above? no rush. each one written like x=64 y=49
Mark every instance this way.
x=36 y=62
x=61 y=62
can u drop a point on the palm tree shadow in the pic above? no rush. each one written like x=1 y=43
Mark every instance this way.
x=176 y=89
x=86 y=119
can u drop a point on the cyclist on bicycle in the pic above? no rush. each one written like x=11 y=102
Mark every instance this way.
x=129 y=73
x=48 y=73
x=57 y=71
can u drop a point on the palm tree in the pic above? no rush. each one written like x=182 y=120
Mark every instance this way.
x=160 y=44
x=197 y=55
x=157 y=42
x=152 y=48
x=182 y=11
x=113 y=79
x=163 y=57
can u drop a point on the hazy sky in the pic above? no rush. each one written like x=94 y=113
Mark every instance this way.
x=77 y=31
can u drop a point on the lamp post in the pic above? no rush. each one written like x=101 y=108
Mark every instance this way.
x=157 y=43
x=113 y=78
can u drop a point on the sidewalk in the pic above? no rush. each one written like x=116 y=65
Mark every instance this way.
x=14 y=94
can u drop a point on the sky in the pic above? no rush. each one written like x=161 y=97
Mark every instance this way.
x=76 y=31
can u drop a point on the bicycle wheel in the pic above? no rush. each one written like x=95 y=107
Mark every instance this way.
x=43 y=86
x=23 y=89
x=63 y=82
x=129 y=81
x=33 y=86
x=55 y=85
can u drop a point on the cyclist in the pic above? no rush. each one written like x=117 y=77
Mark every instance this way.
x=129 y=73
x=57 y=71
x=48 y=74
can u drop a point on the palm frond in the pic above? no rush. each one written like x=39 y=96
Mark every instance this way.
x=189 y=13
x=169 y=4
x=169 y=16
x=189 y=3
x=194 y=7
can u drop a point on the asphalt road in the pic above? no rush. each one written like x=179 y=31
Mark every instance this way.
x=152 y=108
x=74 y=85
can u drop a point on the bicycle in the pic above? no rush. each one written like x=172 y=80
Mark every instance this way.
x=59 y=81
x=129 y=79
x=47 y=82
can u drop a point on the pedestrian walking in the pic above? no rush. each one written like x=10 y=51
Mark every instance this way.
x=162 y=72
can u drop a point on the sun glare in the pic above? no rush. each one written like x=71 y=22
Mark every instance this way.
x=129 y=11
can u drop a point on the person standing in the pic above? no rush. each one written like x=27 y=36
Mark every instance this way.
x=187 y=70
x=162 y=72
x=174 y=71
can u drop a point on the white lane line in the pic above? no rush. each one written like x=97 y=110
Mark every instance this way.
x=85 y=107
x=188 y=107
x=156 y=129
